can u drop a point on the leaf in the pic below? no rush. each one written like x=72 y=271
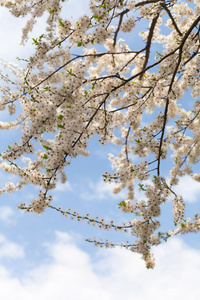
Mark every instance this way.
x=85 y=93
x=159 y=54
x=47 y=147
x=97 y=18
x=60 y=117
x=33 y=100
x=122 y=203
x=48 y=170
x=35 y=42
x=61 y=23
x=79 y=44
x=45 y=88
x=103 y=6
x=142 y=187
x=70 y=72
x=45 y=156
x=60 y=126
x=137 y=141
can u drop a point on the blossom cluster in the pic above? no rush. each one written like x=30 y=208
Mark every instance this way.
x=126 y=94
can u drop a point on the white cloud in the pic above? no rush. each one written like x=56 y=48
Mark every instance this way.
x=100 y=191
x=188 y=188
x=11 y=33
x=69 y=272
x=75 y=9
x=63 y=187
x=6 y=214
x=10 y=249
x=10 y=37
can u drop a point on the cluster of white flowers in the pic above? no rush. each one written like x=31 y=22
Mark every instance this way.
x=127 y=96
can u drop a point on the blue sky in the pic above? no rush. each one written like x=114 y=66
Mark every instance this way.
x=46 y=257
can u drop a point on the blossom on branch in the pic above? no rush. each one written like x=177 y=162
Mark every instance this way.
x=126 y=89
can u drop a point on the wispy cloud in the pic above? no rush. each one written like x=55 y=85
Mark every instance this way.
x=65 y=187
x=188 y=188
x=10 y=35
x=100 y=191
x=75 y=9
x=10 y=249
x=6 y=214
x=70 y=272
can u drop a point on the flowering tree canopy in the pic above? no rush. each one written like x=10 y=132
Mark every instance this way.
x=121 y=73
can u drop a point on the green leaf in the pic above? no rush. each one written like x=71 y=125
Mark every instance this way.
x=61 y=23
x=142 y=187
x=35 y=41
x=60 y=126
x=85 y=93
x=33 y=100
x=97 y=18
x=103 y=6
x=159 y=54
x=70 y=72
x=60 y=117
x=122 y=203
x=137 y=141
x=46 y=147
x=48 y=170
x=45 y=156
x=68 y=106
x=79 y=44
x=45 y=88
x=105 y=176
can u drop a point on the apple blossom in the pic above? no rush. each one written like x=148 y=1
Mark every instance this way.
x=129 y=91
